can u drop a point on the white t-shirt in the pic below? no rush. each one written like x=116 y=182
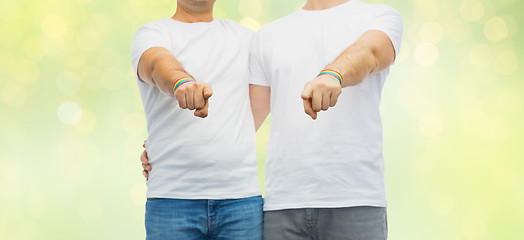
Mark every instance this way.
x=200 y=158
x=336 y=160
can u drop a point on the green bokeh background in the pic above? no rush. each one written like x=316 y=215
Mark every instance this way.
x=73 y=125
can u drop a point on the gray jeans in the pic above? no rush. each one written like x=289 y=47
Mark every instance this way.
x=350 y=223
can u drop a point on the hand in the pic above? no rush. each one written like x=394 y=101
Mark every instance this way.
x=320 y=93
x=145 y=163
x=194 y=95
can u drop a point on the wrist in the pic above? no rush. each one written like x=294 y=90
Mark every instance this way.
x=333 y=73
x=181 y=81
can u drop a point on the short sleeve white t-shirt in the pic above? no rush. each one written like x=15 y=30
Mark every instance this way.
x=336 y=160
x=191 y=157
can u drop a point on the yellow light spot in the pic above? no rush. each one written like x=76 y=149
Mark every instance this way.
x=26 y=72
x=457 y=29
x=426 y=11
x=426 y=54
x=69 y=113
x=68 y=83
x=506 y=63
x=52 y=47
x=137 y=194
x=54 y=26
x=14 y=94
x=90 y=209
x=31 y=48
x=496 y=29
x=10 y=11
x=480 y=55
x=471 y=10
x=249 y=8
x=431 y=32
x=87 y=123
x=250 y=23
x=88 y=39
x=430 y=125
x=134 y=124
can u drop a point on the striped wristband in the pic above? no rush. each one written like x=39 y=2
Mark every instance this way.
x=333 y=73
x=181 y=81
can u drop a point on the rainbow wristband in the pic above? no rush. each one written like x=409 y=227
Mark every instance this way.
x=180 y=81
x=333 y=73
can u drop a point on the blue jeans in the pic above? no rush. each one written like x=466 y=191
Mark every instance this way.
x=189 y=219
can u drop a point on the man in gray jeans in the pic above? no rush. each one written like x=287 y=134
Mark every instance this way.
x=324 y=171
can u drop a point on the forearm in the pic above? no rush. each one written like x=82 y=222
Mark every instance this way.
x=160 y=68
x=165 y=72
x=355 y=64
x=373 y=52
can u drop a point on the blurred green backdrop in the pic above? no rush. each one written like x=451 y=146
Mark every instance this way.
x=73 y=125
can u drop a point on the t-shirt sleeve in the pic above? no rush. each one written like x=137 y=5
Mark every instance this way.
x=257 y=76
x=389 y=21
x=148 y=36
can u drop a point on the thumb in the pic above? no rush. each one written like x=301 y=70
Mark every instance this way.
x=307 y=92
x=207 y=91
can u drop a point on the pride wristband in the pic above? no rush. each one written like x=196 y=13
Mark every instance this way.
x=333 y=73
x=181 y=81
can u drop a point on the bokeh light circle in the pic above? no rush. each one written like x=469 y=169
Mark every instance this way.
x=69 y=113
x=68 y=83
x=249 y=8
x=14 y=94
x=506 y=63
x=426 y=54
x=431 y=32
x=251 y=23
x=471 y=10
x=496 y=29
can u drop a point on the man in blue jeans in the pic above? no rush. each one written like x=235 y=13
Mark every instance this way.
x=203 y=182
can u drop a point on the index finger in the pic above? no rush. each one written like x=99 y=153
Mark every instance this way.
x=203 y=111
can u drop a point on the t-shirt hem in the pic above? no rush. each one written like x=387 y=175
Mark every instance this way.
x=259 y=82
x=202 y=196
x=275 y=207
